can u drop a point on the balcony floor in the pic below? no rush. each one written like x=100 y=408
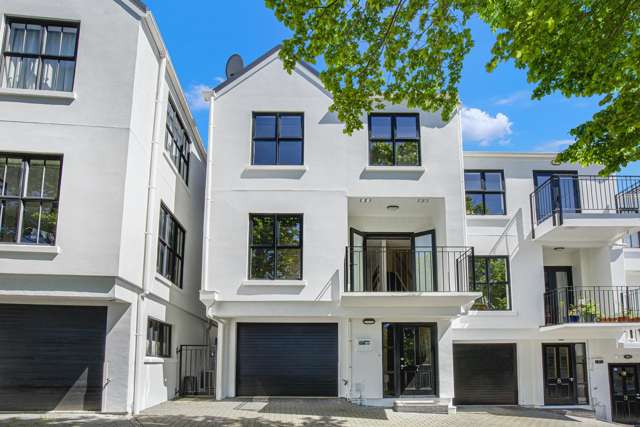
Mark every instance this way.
x=408 y=299
x=588 y=229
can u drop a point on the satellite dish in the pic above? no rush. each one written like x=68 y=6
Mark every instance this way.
x=234 y=66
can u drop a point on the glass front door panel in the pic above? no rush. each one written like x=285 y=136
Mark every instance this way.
x=408 y=359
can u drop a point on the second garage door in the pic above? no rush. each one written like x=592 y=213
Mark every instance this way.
x=485 y=374
x=287 y=359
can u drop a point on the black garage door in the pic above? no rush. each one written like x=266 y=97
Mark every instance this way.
x=51 y=357
x=485 y=374
x=287 y=359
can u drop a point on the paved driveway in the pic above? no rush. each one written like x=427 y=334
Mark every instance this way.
x=304 y=412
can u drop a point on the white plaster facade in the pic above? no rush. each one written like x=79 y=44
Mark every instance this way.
x=336 y=190
x=110 y=132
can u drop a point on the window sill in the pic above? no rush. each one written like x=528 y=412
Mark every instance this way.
x=263 y=283
x=490 y=313
x=29 y=249
x=154 y=360
x=274 y=171
x=39 y=94
x=167 y=282
x=392 y=172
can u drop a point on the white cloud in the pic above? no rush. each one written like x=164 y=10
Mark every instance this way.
x=555 y=145
x=518 y=96
x=479 y=126
x=195 y=97
x=219 y=79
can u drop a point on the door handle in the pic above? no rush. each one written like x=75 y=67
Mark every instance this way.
x=571 y=379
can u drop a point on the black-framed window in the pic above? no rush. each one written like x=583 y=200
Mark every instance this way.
x=177 y=142
x=171 y=236
x=158 y=338
x=275 y=246
x=29 y=193
x=394 y=139
x=40 y=55
x=492 y=278
x=484 y=192
x=278 y=139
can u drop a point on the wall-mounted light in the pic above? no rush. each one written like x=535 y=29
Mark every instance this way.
x=369 y=321
x=559 y=248
x=393 y=208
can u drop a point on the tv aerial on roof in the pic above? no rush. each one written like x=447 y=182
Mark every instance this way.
x=234 y=66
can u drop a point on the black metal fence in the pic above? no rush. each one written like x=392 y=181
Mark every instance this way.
x=589 y=304
x=573 y=194
x=420 y=269
x=197 y=370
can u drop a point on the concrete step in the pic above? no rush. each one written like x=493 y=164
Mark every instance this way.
x=423 y=406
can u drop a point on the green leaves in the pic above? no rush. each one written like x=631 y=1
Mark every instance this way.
x=412 y=51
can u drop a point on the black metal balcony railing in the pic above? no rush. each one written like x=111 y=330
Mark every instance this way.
x=420 y=269
x=592 y=304
x=572 y=194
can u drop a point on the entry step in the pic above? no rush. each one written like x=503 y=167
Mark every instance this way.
x=424 y=406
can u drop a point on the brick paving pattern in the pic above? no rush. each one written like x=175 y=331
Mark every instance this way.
x=303 y=413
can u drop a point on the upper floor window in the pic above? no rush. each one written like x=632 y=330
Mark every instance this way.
x=158 y=338
x=275 y=247
x=492 y=279
x=39 y=55
x=177 y=142
x=29 y=192
x=170 y=247
x=278 y=139
x=394 y=140
x=485 y=192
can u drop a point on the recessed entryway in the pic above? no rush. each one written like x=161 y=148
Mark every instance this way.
x=485 y=374
x=287 y=359
x=409 y=360
x=51 y=357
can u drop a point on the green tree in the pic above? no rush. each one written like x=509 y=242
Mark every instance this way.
x=412 y=51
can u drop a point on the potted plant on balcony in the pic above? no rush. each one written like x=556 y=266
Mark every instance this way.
x=588 y=312
x=573 y=314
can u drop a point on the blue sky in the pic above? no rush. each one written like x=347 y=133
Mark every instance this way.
x=498 y=112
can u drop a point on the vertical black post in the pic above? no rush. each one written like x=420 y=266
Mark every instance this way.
x=180 y=372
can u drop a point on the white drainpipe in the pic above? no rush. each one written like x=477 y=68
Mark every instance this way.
x=208 y=195
x=148 y=268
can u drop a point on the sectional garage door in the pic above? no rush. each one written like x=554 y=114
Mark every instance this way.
x=485 y=374
x=287 y=359
x=51 y=357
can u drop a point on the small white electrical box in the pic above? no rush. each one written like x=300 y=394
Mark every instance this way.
x=364 y=344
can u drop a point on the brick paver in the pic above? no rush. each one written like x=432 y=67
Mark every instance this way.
x=303 y=413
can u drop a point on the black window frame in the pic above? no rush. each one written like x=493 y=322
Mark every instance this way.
x=489 y=284
x=24 y=199
x=183 y=160
x=484 y=192
x=164 y=333
x=393 y=139
x=170 y=248
x=275 y=245
x=41 y=56
x=277 y=137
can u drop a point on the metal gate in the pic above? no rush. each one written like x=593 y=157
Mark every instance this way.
x=197 y=370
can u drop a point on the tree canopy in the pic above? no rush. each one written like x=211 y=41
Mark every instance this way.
x=412 y=51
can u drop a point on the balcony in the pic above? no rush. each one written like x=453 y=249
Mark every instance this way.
x=431 y=276
x=584 y=210
x=611 y=306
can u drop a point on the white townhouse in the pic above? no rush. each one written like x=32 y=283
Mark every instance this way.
x=390 y=268
x=102 y=176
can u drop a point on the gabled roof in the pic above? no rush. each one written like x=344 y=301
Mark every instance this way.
x=257 y=62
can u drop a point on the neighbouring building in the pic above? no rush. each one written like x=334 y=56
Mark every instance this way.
x=391 y=268
x=102 y=179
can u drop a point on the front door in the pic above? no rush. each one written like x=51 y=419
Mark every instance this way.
x=409 y=359
x=565 y=374
x=625 y=394
x=559 y=375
